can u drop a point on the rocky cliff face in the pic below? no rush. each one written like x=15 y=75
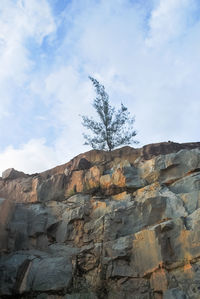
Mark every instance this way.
x=120 y=225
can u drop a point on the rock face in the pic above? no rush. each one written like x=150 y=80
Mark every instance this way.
x=11 y=173
x=114 y=225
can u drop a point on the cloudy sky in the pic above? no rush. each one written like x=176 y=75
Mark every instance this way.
x=146 y=53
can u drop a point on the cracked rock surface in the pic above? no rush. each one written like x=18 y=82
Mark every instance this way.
x=117 y=225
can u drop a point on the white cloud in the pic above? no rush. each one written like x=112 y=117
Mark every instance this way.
x=170 y=20
x=31 y=157
x=147 y=56
x=20 y=20
x=158 y=82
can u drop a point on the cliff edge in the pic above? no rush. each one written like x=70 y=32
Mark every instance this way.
x=117 y=225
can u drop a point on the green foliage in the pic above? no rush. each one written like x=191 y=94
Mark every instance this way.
x=114 y=128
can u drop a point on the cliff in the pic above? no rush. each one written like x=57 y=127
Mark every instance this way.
x=114 y=225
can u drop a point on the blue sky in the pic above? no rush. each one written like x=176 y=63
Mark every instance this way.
x=146 y=53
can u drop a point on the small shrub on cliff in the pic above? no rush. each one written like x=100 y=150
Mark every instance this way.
x=114 y=128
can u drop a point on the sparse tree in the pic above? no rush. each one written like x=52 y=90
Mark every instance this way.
x=114 y=128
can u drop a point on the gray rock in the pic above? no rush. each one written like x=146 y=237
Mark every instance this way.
x=81 y=296
x=133 y=179
x=175 y=294
x=53 y=273
x=12 y=174
x=193 y=220
x=7 y=208
x=52 y=188
x=188 y=189
x=11 y=268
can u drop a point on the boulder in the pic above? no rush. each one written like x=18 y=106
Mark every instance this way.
x=24 y=272
x=51 y=273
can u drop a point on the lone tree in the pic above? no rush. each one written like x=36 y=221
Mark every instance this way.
x=114 y=128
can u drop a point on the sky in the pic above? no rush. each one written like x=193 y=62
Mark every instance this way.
x=145 y=53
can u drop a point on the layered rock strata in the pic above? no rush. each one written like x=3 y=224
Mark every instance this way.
x=114 y=225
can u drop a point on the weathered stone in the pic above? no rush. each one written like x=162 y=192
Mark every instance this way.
x=46 y=296
x=119 y=248
x=81 y=296
x=20 y=190
x=53 y=273
x=75 y=184
x=52 y=189
x=6 y=211
x=115 y=225
x=193 y=220
x=11 y=273
x=175 y=294
x=122 y=175
x=146 y=242
x=169 y=168
x=22 y=273
x=133 y=288
x=92 y=179
x=11 y=174
x=151 y=150
x=159 y=280
x=187 y=189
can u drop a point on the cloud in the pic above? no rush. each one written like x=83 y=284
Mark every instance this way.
x=142 y=60
x=20 y=22
x=31 y=157
x=36 y=156
x=146 y=55
x=170 y=20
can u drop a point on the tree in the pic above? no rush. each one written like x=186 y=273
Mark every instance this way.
x=114 y=128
